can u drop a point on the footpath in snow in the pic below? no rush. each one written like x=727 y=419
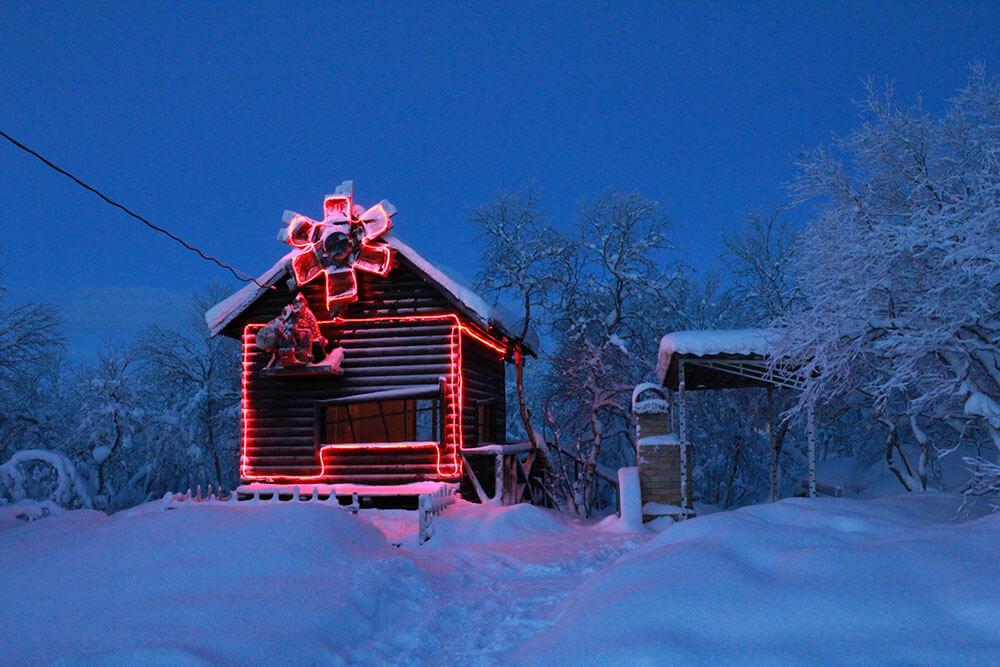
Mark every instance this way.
x=902 y=580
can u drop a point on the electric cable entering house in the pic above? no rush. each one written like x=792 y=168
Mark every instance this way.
x=245 y=277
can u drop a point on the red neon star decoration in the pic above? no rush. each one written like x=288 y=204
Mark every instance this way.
x=348 y=239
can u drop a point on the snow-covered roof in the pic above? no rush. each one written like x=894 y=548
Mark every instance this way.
x=705 y=343
x=487 y=315
x=227 y=310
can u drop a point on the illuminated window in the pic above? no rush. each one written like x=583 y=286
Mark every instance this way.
x=406 y=420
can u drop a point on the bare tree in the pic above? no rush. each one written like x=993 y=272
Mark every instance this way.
x=759 y=259
x=614 y=300
x=198 y=384
x=521 y=261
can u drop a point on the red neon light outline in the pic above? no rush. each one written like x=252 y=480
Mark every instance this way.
x=454 y=394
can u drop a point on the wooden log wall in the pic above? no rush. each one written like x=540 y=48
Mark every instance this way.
x=483 y=380
x=282 y=438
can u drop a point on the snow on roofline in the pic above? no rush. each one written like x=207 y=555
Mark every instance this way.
x=486 y=315
x=704 y=343
x=224 y=312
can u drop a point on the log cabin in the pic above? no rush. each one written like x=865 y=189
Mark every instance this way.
x=409 y=372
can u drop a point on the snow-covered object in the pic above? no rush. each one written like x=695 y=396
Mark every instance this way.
x=101 y=454
x=467 y=524
x=483 y=313
x=655 y=440
x=653 y=508
x=28 y=510
x=334 y=361
x=409 y=489
x=70 y=490
x=292 y=336
x=705 y=343
x=652 y=406
x=348 y=239
x=649 y=398
x=899 y=272
x=630 y=498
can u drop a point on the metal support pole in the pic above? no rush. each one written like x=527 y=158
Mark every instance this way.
x=811 y=437
x=685 y=482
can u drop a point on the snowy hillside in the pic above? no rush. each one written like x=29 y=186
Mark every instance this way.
x=896 y=580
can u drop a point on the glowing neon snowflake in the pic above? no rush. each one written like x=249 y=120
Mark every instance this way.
x=347 y=240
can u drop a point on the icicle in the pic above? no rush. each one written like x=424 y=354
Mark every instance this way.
x=295 y=493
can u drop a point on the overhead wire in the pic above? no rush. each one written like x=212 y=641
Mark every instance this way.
x=241 y=275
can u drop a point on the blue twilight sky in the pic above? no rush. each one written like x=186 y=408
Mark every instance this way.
x=212 y=118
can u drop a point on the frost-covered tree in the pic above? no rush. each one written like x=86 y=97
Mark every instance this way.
x=900 y=274
x=31 y=349
x=615 y=298
x=107 y=428
x=758 y=259
x=522 y=259
x=197 y=381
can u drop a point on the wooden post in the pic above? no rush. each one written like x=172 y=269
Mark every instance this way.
x=811 y=438
x=498 y=490
x=685 y=482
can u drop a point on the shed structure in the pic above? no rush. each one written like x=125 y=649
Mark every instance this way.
x=725 y=359
x=411 y=374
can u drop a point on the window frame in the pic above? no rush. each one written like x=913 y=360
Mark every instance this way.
x=322 y=407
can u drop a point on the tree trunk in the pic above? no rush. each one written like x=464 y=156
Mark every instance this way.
x=733 y=469
x=590 y=467
x=905 y=474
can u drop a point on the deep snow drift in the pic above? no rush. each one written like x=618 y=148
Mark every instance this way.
x=822 y=581
x=898 y=580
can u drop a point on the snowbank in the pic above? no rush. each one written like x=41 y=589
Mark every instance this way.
x=465 y=524
x=825 y=581
x=218 y=584
x=896 y=581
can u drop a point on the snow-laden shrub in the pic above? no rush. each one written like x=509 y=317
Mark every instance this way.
x=69 y=489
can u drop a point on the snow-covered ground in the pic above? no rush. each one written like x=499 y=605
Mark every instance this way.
x=901 y=580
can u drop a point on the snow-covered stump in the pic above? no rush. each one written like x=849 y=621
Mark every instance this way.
x=663 y=466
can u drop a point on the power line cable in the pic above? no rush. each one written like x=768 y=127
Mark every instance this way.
x=245 y=277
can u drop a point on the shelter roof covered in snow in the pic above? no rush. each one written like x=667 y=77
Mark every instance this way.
x=489 y=316
x=734 y=344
